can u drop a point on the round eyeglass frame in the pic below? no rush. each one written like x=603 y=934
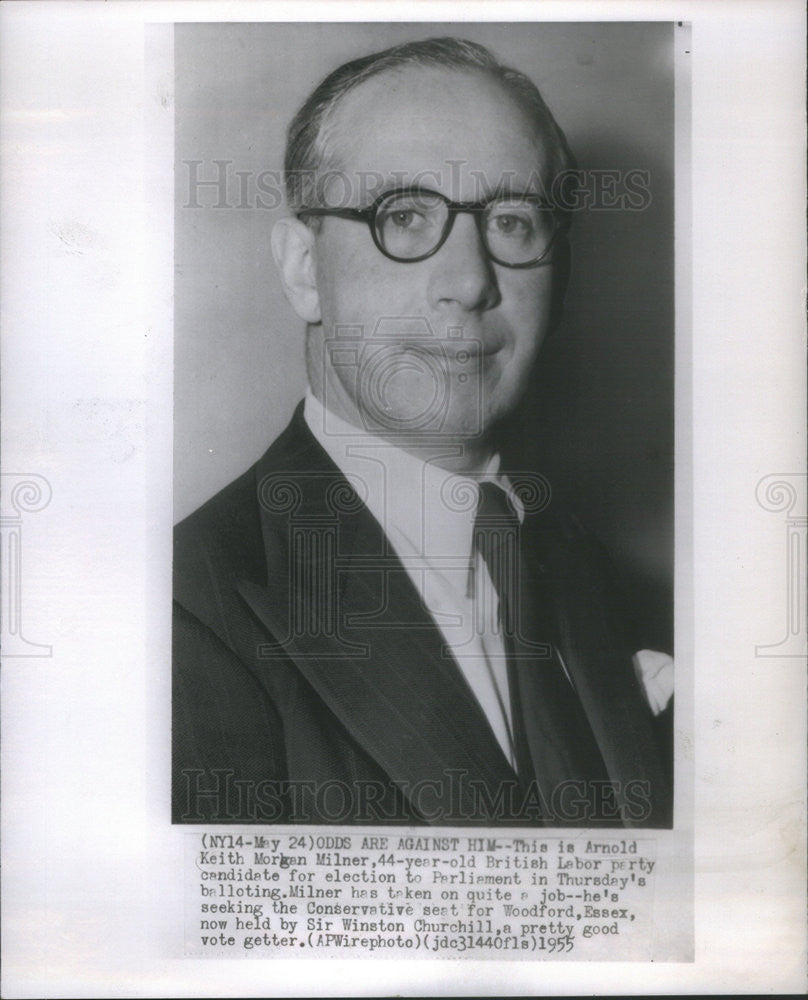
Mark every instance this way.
x=476 y=208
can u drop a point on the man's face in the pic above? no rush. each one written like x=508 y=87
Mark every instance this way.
x=443 y=345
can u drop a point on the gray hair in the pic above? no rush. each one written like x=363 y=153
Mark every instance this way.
x=306 y=152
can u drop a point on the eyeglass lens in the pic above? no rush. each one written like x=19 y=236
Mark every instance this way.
x=515 y=230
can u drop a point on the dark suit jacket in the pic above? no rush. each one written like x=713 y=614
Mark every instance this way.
x=311 y=685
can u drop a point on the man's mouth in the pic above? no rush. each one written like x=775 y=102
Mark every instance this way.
x=461 y=350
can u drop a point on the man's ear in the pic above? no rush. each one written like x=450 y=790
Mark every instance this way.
x=293 y=250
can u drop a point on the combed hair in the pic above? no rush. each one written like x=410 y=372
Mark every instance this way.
x=306 y=152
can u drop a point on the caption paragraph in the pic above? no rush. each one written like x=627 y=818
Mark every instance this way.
x=311 y=895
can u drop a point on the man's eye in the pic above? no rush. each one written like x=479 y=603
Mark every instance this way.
x=410 y=214
x=512 y=225
x=403 y=218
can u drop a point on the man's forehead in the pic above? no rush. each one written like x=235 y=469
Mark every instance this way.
x=456 y=131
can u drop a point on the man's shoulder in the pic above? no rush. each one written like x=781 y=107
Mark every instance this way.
x=222 y=540
x=558 y=531
x=218 y=543
x=224 y=517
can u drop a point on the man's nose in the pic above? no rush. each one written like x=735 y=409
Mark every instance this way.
x=462 y=272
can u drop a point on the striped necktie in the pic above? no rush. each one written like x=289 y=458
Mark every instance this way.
x=553 y=742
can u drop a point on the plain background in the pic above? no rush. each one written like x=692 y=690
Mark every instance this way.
x=599 y=420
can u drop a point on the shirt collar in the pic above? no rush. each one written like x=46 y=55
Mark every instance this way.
x=425 y=510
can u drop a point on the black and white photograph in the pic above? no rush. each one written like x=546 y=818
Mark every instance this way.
x=435 y=263
x=402 y=502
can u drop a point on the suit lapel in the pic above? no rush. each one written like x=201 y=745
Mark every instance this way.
x=341 y=606
x=571 y=600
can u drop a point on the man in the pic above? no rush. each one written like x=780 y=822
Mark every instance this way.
x=377 y=623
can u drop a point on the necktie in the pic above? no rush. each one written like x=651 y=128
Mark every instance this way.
x=553 y=742
x=496 y=538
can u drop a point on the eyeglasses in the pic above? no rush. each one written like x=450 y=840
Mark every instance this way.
x=411 y=224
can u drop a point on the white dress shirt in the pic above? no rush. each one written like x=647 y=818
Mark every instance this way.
x=427 y=515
